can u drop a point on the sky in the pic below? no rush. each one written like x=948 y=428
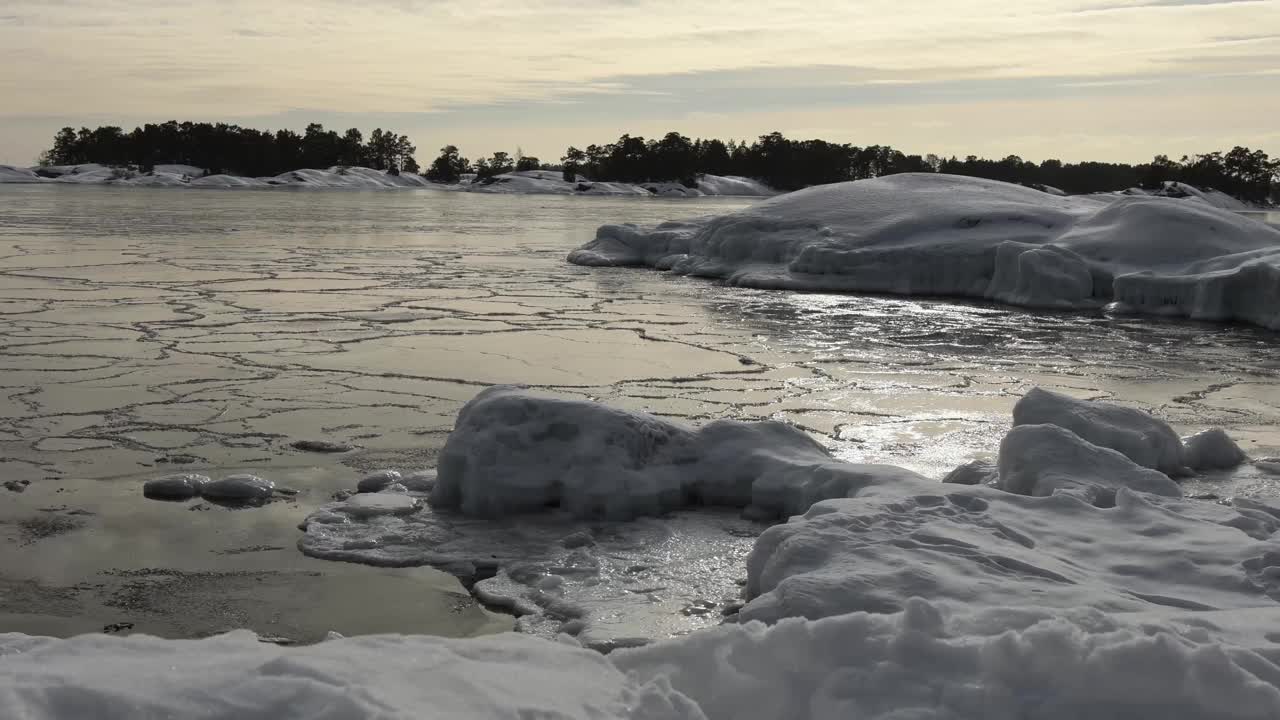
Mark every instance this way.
x=1116 y=80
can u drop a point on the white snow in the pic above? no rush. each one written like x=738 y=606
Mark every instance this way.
x=175 y=487
x=238 y=487
x=512 y=451
x=552 y=182
x=899 y=597
x=929 y=234
x=1146 y=440
x=1213 y=450
x=1043 y=460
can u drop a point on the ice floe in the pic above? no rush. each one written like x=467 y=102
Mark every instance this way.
x=928 y=234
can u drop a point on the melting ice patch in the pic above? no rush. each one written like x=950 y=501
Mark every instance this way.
x=930 y=234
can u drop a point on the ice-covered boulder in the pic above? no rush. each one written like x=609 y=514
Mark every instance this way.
x=242 y=486
x=378 y=481
x=974 y=472
x=933 y=234
x=182 y=486
x=1146 y=440
x=512 y=451
x=1213 y=450
x=1043 y=460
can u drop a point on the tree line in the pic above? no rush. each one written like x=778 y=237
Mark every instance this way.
x=774 y=159
x=223 y=148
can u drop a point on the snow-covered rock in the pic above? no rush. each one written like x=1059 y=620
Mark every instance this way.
x=1146 y=440
x=1213 y=450
x=11 y=174
x=930 y=234
x=512 y=451
x=241 y=486
x=182 y=486
x=974 y=472
x=1043 y=460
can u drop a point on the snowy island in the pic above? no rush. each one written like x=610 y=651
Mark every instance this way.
x=947 y=235
x=544 y=182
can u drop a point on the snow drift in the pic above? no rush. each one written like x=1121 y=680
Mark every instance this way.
x=1086 y=587
x=927 y=234
x=540 y=182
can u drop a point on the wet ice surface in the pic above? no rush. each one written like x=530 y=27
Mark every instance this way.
x=149 y=332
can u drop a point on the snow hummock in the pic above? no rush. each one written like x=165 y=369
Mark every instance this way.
x=512 y=451
x=1044 y=460
x=1213 y=450
x=932 y=234
x=1146 y=440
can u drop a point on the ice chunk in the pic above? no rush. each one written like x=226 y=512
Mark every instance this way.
x=1146 y=440
x=175 y=487
x=512 y=451
x=1041 y=460
x=239 y=487
x=1213 y=450
x=378 y=481
x=374 y=504
x=974 y=472
x=934 y=234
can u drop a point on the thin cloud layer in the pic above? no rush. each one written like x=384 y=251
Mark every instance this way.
x=79 y=61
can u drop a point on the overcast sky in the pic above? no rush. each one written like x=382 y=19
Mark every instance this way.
x=1073 y=79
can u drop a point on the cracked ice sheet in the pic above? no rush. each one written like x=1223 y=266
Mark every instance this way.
x=224 y=326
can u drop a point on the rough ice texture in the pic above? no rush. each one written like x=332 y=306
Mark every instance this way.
x=175 y=487
x=1213 y=450
x=1146 y=440
x=1042 y=460
x=513 y=451
x=930 y=234
x=239 y=487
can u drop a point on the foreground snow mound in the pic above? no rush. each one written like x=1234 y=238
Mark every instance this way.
x=923 y=663
x=512 y=451
x=980 y=547
x=1146 y=440
x=930 y=234
x=236 y=677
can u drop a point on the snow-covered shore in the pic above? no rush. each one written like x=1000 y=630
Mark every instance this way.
x=537 y=182
x=943 y=235
x=1079 y=593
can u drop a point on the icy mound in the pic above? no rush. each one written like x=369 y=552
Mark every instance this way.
x=11 y=174
x=182 y=486
x=922 y=663
x=1043 y=460
x=979 y=547
x=236 y=677
x=552 y=182
x=1142 y=438
x=513 y=452
x=928 y=234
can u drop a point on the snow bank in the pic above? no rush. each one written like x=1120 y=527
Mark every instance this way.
x=237 y=677
x=512 y=451
x=1043 y=460
x=928 y=234
x=552 y=182
x=11 y=174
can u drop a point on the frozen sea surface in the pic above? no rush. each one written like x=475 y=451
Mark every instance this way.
x=147 y=332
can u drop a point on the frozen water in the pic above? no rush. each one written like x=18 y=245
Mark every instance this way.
x=927 y=234
x=175 y=487
x=238 y=487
